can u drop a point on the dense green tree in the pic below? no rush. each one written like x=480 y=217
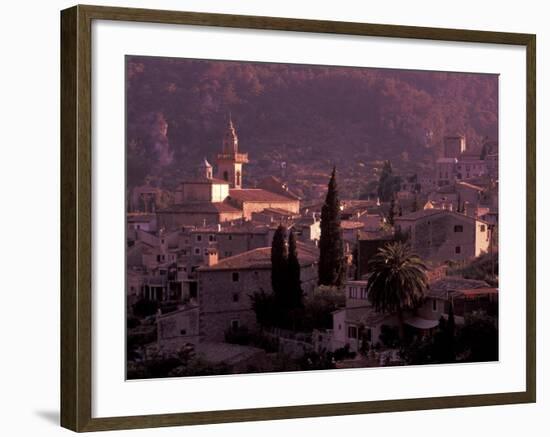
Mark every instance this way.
x=279 y=263
x=266 y=309
x=331 y=246
x=388 y=183
x=295 y=293
x=479 y=338
x=443 y=343
x=397 y=280
x=145 y=307
x=391 y=212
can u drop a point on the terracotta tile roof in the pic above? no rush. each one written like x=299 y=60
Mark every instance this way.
x=469 y=185
x=276 y=211
x=258 y=259
x=450 y=284
x=257 y=195
x=433 y=211
x=376 y=235
x=474 y=292
x=201 y=208
x=421 y=214
x=349 y=224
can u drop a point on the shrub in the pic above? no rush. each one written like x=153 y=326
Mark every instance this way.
x=145 y=307
x=389 y=336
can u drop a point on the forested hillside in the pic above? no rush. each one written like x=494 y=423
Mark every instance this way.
x=177 y=111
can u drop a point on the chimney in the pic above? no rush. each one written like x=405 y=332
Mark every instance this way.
x=211 y=257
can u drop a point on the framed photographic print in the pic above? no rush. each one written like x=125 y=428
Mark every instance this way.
x=268 y=218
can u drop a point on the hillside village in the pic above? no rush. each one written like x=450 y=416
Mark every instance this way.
x=206 y=270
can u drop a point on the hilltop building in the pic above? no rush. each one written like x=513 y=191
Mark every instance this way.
x=207 y=200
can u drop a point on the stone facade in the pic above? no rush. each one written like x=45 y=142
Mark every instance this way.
x=440 y=235
x=224 y=300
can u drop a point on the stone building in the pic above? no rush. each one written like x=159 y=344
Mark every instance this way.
x=208 y=200
x=443 y=235
x=454 y=146
x=470 y=167
x=225 y=288
x=445 y=169
x=491 y=161
x=144 y=198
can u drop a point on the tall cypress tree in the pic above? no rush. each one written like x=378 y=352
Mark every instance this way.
x=279 y=263
x=331 y=246
x=391 y=212
x=295 y=293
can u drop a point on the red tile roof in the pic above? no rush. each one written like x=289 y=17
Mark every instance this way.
x=201 y=208
x=257 y=195
x=258 y=259
x=349 y=224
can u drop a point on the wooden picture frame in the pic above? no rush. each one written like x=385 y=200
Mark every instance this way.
x=76 y=218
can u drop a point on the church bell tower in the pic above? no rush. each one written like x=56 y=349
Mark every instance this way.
x=230 y=161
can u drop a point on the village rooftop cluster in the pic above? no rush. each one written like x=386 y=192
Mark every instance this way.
x=236 y=279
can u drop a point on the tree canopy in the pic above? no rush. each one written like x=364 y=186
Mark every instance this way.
x=331 y=245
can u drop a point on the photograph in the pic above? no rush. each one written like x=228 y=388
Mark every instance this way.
x=292 y=217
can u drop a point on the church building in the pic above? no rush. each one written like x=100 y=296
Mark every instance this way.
x=206 y=200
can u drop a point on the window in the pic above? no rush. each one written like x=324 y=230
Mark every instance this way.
x=459 y=228
x=235 y=297
x=230 y=237
x=199 y=237
x=235 y=276
x=352 y=332
x=368 y=334
x=183 y=331
x=234 y=324
x=228 y=253
x=226 y=175
x=457 y=249
x=197 y=250
x=482 y=228
x=434 y=305
x=162 y=241
x=206 y=250
x=211 y=238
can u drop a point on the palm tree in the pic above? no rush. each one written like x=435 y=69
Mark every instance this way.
x=397 y=280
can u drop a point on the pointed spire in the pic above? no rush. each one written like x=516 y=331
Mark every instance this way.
x=230 y=139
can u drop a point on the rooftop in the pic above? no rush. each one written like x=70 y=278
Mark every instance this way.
x=349 y=224
x=260 y=258
x=201 y=208
x=448 y=284
x=417 y=215
x=469 y=185
x=257 y=195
